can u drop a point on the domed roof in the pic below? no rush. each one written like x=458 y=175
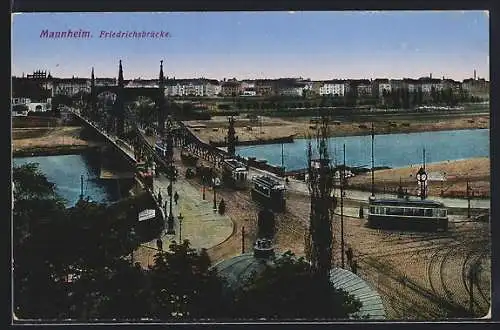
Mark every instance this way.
x=239 y=269
x=372 y=306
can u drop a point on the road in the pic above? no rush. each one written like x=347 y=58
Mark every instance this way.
x=362 y=196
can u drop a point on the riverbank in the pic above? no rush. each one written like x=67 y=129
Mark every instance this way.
x=446 y=179
x=42 y=141
x=275 y=128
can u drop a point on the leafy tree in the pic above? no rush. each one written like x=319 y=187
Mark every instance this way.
x=184 y=286
x=290 y=290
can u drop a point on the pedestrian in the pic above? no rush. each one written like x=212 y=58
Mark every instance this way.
x=159 y=198
x=349 y=255
x=176 y=197
x=354 y=266
x=169 y=190
x=361 y=212
x=159 y=244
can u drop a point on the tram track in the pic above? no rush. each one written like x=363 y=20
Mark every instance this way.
x=406 y=294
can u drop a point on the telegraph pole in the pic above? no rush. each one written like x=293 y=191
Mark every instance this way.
x=81 y=187
x=215 y=194
x=283 y=158
x=373 y=164
x=342 y=178
x=468 y=199
x=242 y=239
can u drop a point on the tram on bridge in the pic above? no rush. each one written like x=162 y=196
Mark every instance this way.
x=268 y=192
x=403 y=213
x=234 y=173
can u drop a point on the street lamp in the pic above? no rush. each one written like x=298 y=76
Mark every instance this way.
x=180 y=217
x=422 y=179
x=203 y=186
x=215 y=194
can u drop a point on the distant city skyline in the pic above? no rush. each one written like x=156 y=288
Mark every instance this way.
x=256 y=45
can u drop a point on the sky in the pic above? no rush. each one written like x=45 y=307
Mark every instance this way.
x=249 y=45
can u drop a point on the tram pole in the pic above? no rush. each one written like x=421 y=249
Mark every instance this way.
x=373 y=163
x=471 y=290
x=468 y=199
x=342 y=178
x=242 y=239
x=215 y=194
x=81 y=187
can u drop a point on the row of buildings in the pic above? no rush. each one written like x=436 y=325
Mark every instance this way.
x=294 y=87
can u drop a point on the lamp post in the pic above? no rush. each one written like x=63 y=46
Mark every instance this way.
x=422 y=179
x=203 y=186
x=215 y=194
x=180 y=217
x=170 y=173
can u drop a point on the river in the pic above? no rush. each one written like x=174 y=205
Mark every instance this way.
x=65 y=171
x=391 y=150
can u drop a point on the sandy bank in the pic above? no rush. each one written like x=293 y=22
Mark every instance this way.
x=272 y=128
x=454 y=173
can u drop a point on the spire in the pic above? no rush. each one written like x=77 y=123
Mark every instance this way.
x=120 y=75
x=162 y=77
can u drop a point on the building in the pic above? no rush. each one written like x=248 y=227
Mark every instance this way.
x=363 y=87
x=20 y=100
x=231 y=88
x=396 y=84
x=412 y=84
x=428 y=85
x=265 y=87
x=70 y=86
x=249 y=92
x=142 y=83
x=476 y=87
x=201 y=87
x=105 y=82
x=332 y=87
x=290 y=87
x=38 y=74
x=380 y=86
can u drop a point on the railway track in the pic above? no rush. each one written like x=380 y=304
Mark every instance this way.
x=434 y=294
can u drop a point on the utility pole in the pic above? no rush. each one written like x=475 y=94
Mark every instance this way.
x=373 y=164
x=242 y=239
x=215 y=194
x=342 y=178
x=81 y=187
x=203 y=187
x=468 y=199
x=170 y=172
x=283 y=158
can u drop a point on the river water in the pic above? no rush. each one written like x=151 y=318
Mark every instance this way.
x=65 y=171
x=391 y=150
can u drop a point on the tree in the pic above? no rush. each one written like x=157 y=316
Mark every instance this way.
x=184 y=286
x=289 y=289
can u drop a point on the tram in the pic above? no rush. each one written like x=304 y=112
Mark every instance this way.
x=403 y=213
x=268 y=192
x=234 y=173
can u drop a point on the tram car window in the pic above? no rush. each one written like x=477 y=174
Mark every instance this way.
x=268 y=192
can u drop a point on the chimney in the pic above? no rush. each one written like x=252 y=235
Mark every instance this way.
x=474 y=74
x=430 y=75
